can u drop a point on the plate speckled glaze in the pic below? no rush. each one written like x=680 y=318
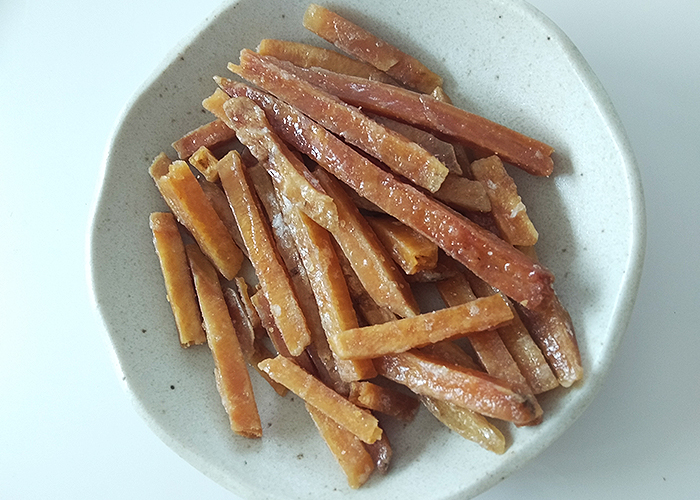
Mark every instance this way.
x=501 y=59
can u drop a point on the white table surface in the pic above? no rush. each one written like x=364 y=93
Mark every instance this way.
x=67 y=428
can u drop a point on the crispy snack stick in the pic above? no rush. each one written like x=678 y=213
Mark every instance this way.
x=210 y=135
x=507 y=207
x=553 y=331
x=528 y=356
x=299 y=186
x=489 y=347
x=254 y=351
x=384 y=400
x=348 y=450
x=363 y=45
x=464 y=194
x=356 y=420
x=318 y=350
x=367 y=308
x=271 y=274
x=489 y=257
x=185 y=197
x=466 y=388
x=441 y=118
x=262 y=307
x=216 y=196
x=443 y=151
x=409 y=249
x=179 y=287
x=204 y=161
x=380 y=277
x=311 y=56
x=525 y=352
x=467 y=423
x=232 y=378
x=401 y=155
x=404 y=334
x=328 y=284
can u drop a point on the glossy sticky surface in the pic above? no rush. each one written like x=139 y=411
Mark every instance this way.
x=500 y=59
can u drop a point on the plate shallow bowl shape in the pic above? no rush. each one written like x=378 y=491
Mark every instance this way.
x=501 y=59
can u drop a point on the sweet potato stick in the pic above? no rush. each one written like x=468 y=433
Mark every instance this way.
x=232 y=378
x=467 y=423
x=384 y=400
x=463 y=194
x=348 y=449
x=179 y=287
x=254 y=351
x=471 y=389
x=489 y=257
x=365 y=46
x=404 y=334
x=398 y=153
x=443 y=151
x=328 y=284
x=311 y=56
x=370 y=311
x=525 y=352
x=204 y=161
x=271 y=274
x=409 y=249
x=318 y=350
x=185 y=197
x=441 y=118
x=507 y=207
x=262 y=307
x=210 y=135
x=553 y=331
x=489 y=347
x=297 y=183
x=356 y=420
x=369 y=259
x=219 y=203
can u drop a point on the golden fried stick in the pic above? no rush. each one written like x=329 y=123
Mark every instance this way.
x=311 y=56
x=232 y=378
x=471 y=389
x=187 y=200
x=507 y=207
x=401 y=335
x=348 y=449
x=178 y=278
x=365 y=46
x=358 y=421
x=272 y=275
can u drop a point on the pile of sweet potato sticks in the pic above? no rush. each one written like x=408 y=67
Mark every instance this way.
x=344 y=179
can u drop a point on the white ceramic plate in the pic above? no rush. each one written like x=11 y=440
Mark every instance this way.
x=502 y=59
